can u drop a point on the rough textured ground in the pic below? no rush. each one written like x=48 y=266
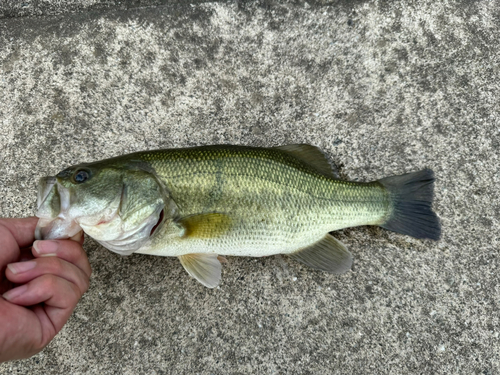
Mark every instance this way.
x=384 y=88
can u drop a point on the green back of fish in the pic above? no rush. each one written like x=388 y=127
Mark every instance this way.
x=273 y=198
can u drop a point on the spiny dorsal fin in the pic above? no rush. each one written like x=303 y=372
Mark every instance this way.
x=313 y=156
x=205 y=225
x=205 y=268
x=328 y=254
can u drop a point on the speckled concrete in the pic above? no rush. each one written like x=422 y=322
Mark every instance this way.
x=384 y=88
x=23 y=8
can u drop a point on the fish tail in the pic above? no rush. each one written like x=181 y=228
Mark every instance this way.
x=411 y=198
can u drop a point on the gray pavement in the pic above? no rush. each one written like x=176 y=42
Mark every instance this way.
x=384 y=88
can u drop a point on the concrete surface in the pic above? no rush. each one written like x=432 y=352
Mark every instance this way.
x=384 y=88
x=23 y=8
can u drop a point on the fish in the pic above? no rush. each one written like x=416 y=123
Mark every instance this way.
x=203 y=203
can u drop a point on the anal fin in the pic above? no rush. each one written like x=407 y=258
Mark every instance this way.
x=206 y=268
x=328 y=254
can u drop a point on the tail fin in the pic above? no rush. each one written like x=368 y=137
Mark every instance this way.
x=411 y=205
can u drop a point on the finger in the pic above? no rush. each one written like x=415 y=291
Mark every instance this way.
x=51 y=289
x=68 y=250
x=22 y=230
x=59 y=295
x=9 y=249
x=23 y=272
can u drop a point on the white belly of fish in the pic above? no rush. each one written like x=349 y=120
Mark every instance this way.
x=234 y=243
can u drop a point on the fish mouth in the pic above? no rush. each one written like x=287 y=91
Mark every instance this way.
x=52 y=203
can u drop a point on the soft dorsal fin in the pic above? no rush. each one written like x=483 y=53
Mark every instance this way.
x=313 y=156
x=209 y=225
x=328 y=254
x=205 y=268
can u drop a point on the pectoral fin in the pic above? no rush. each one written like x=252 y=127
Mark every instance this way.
x=209 y=225
x=205 y=268
x=328 y=254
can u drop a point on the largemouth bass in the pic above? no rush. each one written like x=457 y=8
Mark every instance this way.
x=199 y=204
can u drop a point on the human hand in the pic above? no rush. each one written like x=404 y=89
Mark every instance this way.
x=40 y=294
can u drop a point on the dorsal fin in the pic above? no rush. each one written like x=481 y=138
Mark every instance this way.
x=311 y=155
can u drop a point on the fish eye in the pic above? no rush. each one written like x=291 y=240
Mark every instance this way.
x=81 y=176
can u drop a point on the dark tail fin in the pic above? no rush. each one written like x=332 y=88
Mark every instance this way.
x=411 y=201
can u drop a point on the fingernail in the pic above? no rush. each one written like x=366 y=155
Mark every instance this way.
x=21 y=266
x=77 y=237
x=46 y=248
x=16 y=292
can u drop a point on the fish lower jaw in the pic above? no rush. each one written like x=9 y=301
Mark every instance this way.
x=52 y=229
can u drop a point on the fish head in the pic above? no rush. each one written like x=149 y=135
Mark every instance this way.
x=120 y=206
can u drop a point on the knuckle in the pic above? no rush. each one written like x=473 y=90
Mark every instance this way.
x=81 y=253
x=85 y=288
x=84 y=283
x=78 y=253
x=76 y=290
x=54 y=264
x=49 y=282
